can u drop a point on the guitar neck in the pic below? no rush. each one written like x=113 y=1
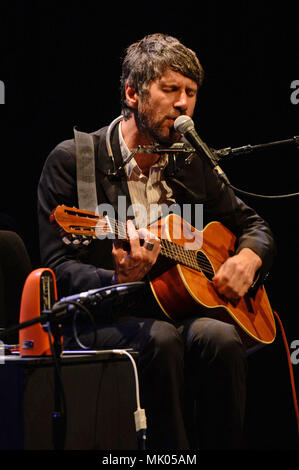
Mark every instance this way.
x=82 y=224
x=169 y=249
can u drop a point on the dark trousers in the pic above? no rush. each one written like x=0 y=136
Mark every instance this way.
x=192 y=379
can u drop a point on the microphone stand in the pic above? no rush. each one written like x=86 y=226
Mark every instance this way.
x=246 y=149
x=59 y=415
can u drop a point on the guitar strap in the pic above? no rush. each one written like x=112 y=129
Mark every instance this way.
x=85 y=165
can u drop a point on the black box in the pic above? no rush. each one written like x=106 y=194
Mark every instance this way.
x=100 y=398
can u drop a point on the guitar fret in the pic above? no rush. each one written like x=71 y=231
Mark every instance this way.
x=169 y=249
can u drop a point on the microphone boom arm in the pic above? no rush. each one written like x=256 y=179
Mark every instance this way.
x=247 y=149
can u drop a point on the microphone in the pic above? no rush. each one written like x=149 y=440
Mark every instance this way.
x=185 y=125
x=93 y=296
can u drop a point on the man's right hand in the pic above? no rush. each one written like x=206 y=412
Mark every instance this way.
x=132 y=266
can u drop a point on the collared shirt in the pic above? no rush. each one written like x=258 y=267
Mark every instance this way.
x=150 y=196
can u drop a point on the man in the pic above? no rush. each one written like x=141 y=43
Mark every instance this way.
x=198 y=359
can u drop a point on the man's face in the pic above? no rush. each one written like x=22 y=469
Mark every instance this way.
x=168 y=97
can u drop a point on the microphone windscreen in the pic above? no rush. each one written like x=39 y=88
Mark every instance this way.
x=183 y=124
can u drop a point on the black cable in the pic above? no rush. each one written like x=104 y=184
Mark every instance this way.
x=97 y=408
x=249 y=148
x=263 y=196
x=193 y=194
x=241 y=191
x=59 y=417
x=76 y=335
x=75 y=332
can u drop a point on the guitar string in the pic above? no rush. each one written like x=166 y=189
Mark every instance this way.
x=123 y=233
x=174 y=251
x=178 y=253
x=187 y=257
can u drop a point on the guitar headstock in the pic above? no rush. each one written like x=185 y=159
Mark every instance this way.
x=78 y=226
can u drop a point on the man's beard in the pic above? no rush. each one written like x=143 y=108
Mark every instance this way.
x=153 y=130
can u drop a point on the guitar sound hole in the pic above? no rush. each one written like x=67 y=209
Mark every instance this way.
x=205 y=265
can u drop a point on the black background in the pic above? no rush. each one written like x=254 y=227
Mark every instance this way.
x=60 y=62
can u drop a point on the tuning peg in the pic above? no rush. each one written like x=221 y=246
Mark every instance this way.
x=76 y=239
x=86 y=241
x=66 y=240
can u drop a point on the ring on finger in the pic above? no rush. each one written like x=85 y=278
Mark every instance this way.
x=148 y=246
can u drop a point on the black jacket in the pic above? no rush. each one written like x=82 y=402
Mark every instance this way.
x=84 y=268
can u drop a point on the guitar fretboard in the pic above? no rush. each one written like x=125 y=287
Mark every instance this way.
x=194 y=259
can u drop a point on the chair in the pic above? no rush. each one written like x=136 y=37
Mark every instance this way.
x=15 y=266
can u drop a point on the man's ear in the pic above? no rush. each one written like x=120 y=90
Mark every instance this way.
x=131 y=96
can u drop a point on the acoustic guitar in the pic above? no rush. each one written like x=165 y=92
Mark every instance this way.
x=181 y=279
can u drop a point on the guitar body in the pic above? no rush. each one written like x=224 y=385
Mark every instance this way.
x=182 y=278
x=181 y=291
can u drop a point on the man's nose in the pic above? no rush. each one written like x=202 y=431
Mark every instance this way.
x=181 y=102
